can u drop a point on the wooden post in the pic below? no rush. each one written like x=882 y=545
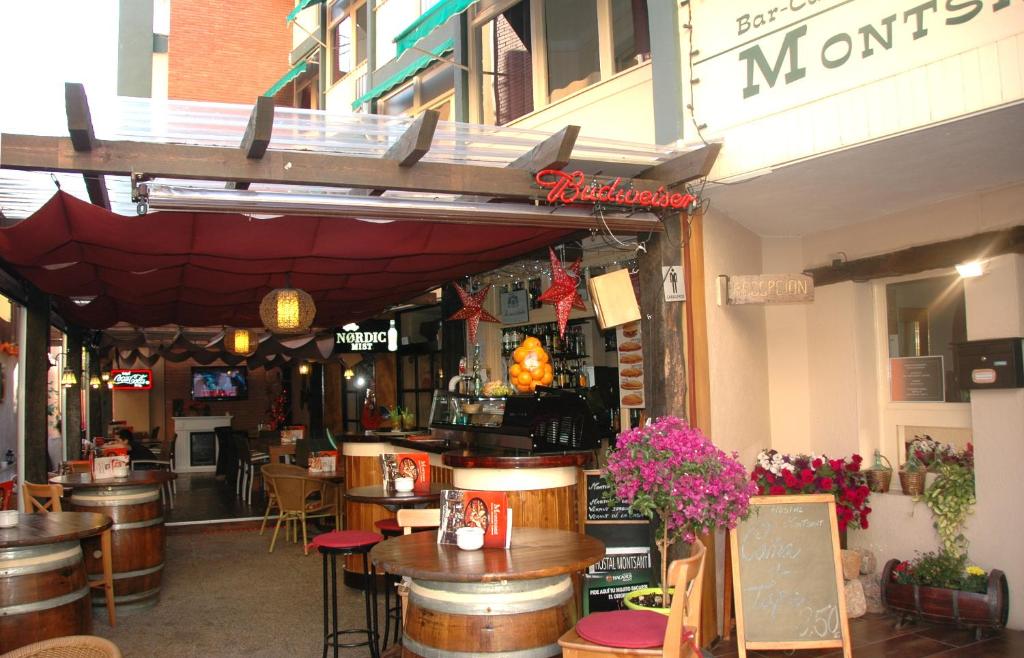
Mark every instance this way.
x=73 y=397
x=95 y=399
x=37 y=365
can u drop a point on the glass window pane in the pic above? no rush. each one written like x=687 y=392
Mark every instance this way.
x=436 y=81
x=360 y=34
x=512 y=61
x=398 y=102
x=573 y=61
x=631 y=33
x=426 y=381
x=342 y=48
x=926 y=317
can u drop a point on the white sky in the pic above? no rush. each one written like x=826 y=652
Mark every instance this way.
x=44 y=44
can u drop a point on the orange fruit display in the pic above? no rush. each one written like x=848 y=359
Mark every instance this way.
x=531 y=366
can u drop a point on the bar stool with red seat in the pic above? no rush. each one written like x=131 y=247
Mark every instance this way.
x=345 y=543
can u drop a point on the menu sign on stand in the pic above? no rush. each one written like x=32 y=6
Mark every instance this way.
x=626 y=536
x=788 y=576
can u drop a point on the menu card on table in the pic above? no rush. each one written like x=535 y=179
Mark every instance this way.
x=325 y=461
x=488 y=510
x=415 y=465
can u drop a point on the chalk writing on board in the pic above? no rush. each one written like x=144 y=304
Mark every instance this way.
x=787 y=574
x=602 y=508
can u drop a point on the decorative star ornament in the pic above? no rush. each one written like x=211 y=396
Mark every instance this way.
x=472 y=310
x=563 y=293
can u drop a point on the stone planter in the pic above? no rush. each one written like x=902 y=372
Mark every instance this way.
x=949 y=606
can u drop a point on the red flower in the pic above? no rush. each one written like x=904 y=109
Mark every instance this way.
x=853 y=467
x=816 y=464
x=864 y=522
x=807 y=476
x=790 y=480
x=836 y=464
x=825 y=484
x=776 y=490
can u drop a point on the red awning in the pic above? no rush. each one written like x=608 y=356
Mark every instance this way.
x=202 y=269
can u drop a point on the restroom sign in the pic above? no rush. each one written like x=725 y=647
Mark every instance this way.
x=672 y=283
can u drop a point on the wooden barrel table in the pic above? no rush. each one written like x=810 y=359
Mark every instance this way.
x=138 y=536
x=490 y=602
x=43 y=588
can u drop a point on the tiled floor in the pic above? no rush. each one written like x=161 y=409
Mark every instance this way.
x=202 y=498
x=875 y=636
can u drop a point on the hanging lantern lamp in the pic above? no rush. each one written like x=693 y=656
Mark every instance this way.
x=94 y=382
x=349 y=373
x=68 y=378
x=242 y=342
x=287 y=310
x=303 y=368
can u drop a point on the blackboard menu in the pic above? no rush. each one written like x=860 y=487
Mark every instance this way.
x=787 y=575
x=598 y=507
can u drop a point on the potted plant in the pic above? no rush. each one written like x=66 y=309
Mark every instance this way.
x=777 y=474
x=671 y=473
x=912 y=475
x=942 y=586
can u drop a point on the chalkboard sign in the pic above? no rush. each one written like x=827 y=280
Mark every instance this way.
x=598 y=508
x=788 y=577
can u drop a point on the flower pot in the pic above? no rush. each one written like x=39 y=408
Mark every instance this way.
x=630 y=599
x=951 y=606
x=912 y=482
x=879 y=479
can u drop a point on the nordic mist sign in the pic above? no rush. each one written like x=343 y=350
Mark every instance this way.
x=367 y=336
x=757 y=57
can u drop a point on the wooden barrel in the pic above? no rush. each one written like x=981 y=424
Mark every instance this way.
x=43 y=594
x=517 y=618
x=988 y=609
x=137 y=540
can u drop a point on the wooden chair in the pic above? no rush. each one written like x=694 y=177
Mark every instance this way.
x=32 y=493
x=680 y=638
x=76 y=466
x=417 y=518
x=269 y=471
x=294 y=495
x=247 y=463
x=52 y=493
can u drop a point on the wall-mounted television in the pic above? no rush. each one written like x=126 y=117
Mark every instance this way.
x=220 y=383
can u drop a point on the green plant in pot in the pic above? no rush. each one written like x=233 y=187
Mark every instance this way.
x=942 y=586
x=671 y=473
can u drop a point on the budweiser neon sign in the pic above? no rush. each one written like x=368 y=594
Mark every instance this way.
x=572 y=187
x=131 y=380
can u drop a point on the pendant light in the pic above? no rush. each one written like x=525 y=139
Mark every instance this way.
x=242 y=342
x=287 y=310
x=68 y=378
x=304 y=368
x=94 y=382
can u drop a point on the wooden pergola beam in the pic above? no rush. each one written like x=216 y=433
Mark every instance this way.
x=922 y=258
x=553 y=153
x=83 y=138
x=412 y=145
x=686 y=167
x=122 y=158
x=257 y=135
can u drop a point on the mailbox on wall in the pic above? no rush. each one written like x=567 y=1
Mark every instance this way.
x=994 y=363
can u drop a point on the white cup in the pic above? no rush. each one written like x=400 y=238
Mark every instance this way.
x=469 y=538
x=404 y=484
x=8 y=518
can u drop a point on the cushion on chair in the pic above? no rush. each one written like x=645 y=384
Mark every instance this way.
x=388 y=525
x=341 y=539
x=629 y=629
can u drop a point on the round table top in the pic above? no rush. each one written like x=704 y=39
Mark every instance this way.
x=134 y=479
x=330 y=476
x=375 y=493
x=534 y=553
x=52 y=528
x=477 y=458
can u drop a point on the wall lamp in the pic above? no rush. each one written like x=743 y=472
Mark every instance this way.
x=970 y=269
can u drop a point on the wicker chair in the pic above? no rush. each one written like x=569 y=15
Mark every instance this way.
x=294 y=494
x=71 y=646
x=269 y=471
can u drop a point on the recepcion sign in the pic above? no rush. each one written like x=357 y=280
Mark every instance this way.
x=917 y=379
x=131 y=380
x=765 y=289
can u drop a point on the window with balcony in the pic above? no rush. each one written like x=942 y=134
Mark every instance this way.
x=579 y=43
x=348 y=37
x=432 y=89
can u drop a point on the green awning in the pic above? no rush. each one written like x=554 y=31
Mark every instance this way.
x=430 y=19
x=407 y=72
x=299 y=7
x=296 y=71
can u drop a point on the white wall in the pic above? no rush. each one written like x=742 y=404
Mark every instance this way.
x=995 y=309
x=737 y=343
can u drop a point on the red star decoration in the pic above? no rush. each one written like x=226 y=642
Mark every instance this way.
x=563 y=293
x=472 y=310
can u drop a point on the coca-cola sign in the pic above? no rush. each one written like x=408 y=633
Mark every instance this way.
x=131 y=380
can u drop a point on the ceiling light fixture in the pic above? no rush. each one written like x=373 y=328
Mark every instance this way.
x=240 y=341
x=303 y=368
x=94 y=382
x=970 y=269
x=287 y=310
